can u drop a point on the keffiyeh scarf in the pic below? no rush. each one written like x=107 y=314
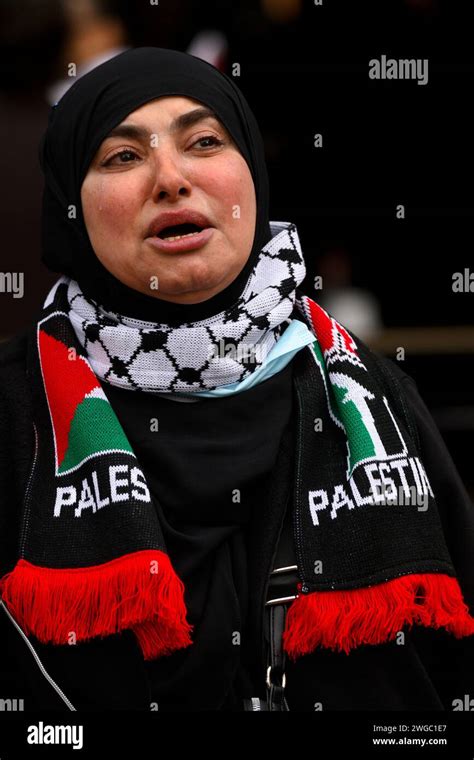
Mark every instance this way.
x=198 y=356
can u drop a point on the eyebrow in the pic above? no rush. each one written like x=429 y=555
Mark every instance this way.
x=188 y=119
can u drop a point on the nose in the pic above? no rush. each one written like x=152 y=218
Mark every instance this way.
x=170 y=180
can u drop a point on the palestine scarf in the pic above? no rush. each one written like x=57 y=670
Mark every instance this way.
x=370 y=548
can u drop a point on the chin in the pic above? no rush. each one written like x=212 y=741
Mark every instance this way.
x=187 y=299
x=194 y=289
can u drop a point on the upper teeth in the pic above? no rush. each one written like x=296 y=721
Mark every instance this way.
x=178 y=237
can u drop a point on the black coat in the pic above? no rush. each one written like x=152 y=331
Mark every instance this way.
x=430 y=671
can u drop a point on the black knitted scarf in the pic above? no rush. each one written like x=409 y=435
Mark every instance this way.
x=92 y=559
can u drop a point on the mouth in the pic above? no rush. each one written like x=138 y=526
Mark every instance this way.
x=181 y=237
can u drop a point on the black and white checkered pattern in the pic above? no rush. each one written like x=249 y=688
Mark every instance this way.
x=201 y=355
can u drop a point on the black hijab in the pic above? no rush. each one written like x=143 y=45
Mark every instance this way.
x=78 y=124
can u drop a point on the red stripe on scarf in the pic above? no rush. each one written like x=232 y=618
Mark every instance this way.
x=138 y=591
x=343 y=620
x=327 y=329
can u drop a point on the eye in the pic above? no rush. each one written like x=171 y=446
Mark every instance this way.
x=121 y=153
x=215 y=140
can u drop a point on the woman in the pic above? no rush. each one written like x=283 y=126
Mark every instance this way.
x=221 y=499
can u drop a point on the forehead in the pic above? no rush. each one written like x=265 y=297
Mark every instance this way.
x=171 y=112
x=166 y=105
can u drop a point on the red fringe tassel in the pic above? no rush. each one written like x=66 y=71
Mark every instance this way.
x=138 y=591
x=343 y=620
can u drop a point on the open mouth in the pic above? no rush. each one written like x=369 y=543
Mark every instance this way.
x=177 y=231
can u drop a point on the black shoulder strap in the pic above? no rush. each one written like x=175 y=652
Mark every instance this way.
x=281 y=592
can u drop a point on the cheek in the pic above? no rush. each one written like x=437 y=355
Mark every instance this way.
x=232 y=184
x=109 y=206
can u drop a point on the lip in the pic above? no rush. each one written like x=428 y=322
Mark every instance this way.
x=173 y=218
x=185 y=244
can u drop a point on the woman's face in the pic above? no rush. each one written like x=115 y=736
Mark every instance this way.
x=164 y=167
